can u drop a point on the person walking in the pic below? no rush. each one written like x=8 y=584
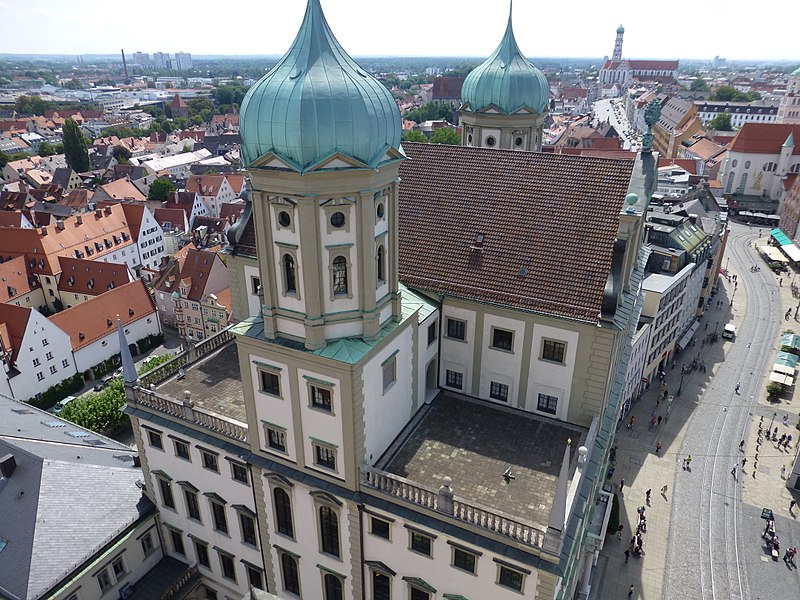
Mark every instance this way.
x=631 y=421
x=783 y=471
x=658 y=447
x=792 y=504
x=664 y=491
x=733 y=470
x=659 y=420
x=688 y=462
x=627 y=554
x=647 y=496
x=619 y=531
x=631 y=591
x=621 y=485
x=785 y=420
x=738 y=385
x=741 y=446
x=744 y=462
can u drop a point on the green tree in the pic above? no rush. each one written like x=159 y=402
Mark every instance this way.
x=73 y=84
x=728 y=93
x=32 y=105
x=121 y=154
x=75 y=149
x=101 y=411
x=7 y=158
x=445 y=135
x=698 y=85
x=430 y=112
x=47 y=149
x=180 y=123
x=160 y=190
x=414 y=135
x=722 y=122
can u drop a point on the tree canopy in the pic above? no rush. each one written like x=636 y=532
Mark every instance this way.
x=430 y=112
x=722 y=122
x=446 y=135
x=728 y=93
x=414 y=135
x=99 y=412
x=160 y=190
x=76 y=151
x=698 y=85
x=121 y=154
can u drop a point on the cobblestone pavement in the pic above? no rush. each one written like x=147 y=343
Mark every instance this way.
x=703 y=536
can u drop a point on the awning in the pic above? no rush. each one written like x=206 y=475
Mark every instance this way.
x=781 y=378
x=687 y=337
x=773 y=254
x=791 y=251
x=787 y=358
x=745 y=213
x=790 y=339
x=783 y=369
x=780 y=237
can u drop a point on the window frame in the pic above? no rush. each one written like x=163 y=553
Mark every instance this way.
x=500 y=344
x=504 y=568
x=102 y=576
x=328 y=530
x=245 y=518
x=378 y=574
x=390 y=367
x=340 y=277
x=219 y=518
x=545 y=409
x=544 y=351
x=119 y=561
x=198 y=544
x=146 y=543
x=223 y=557
x=269 y=428
x=325 y=390
x=433 y=332
x=262 y=387
x=328 y=576
x=210 y=460
x=176 y=443
x=458 y=324
x=194 y=503
x=456 y=375
x=234 y=466
x=319 y=447
x=372 y=520
x=175 y=535
x=286 y=557
x=496 y=395
x=165 y=487
x=416 y=534
x=289 y=272
x=455 y=550
x=284 y=513
x=250 y=570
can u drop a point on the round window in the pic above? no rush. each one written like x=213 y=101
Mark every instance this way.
x=337 y=219
x=380 y=211
x=490 y=141
x=284 y=219
x=518 y=141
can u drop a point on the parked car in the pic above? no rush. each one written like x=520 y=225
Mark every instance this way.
x=729 y=332
x=56 y=410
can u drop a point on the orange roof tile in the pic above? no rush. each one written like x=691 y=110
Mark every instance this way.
x=16 y=279
x=765 y=138
x=13 y=322
x=91 y=277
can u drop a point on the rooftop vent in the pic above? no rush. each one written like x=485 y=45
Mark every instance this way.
x=478 y=243
x=7 y=465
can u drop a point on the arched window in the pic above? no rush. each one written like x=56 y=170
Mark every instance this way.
x=340 y=275
x=329 y=530
x=290 y=274
x=381 y=277
x=333 y=587
x=291 y=578
x=283 y=512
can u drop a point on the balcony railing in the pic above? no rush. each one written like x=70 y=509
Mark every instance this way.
x=183 y=586
x=444 y=502
x=186 y=411
x=194 y=353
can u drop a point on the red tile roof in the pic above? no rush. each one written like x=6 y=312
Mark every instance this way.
x=174 y=216
x=547 y=222
x=445 y=88
x=89 y=321
x=643 y=65
x=190 y=264
x=91 y=277
x=177 y=102
x=765 y=138
x=13 y=322
x=16 y=279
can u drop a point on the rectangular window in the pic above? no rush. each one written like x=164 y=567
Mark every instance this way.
x=39 y=376
x=456 y=329
x=255 y=578
x=49 y=356
x=464 y=560
x=210 y=461
x=454 y=379
x=192 y=505
x=166 y=493
x=155 y=439
x=45 y=342
x=201 y=551
x=553 y=351
x=432 y=333
x=418 y=593
x=498 y=391
x=255 y=285
x=228 y=568
x=547 y=404
x=379 y=527
x=321 y=398
x=291 y=577
x=248 y=526
x=503 y=339
x=53 y=369
x=420 y=543
x=381 y=586
x=220 y=520
x=147 y=544
x=325 y=457
x=182 y=450
x=177 y=542
x=36 y=362
x=119 y=568
x=65 y=363
x=104 y=580
x=270 y=383
x=276 y=439
x=389 y=374
x=239 y=472
x=510 y=578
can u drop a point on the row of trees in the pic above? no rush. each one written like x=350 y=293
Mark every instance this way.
x=431 y=111
x=443 y=135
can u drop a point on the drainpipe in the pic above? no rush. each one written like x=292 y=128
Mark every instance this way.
x=258 y=525
x=361 y=538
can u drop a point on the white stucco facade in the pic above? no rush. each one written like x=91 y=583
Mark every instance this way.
x=108 y=345
x=150 y=245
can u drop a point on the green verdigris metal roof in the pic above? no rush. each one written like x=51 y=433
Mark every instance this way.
x=350 y=350
x=316 y=102
x=796 y=72
x=506 y=80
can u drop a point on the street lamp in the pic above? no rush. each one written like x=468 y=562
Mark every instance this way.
x=774 y=414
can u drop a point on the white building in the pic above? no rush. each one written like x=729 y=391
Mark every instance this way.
x=740 y=112
x=216 y=190
x=36 y=353
x=789 y=109
x=635 y=384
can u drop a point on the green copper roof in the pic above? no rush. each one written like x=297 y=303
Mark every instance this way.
x=796 y=72
x=506 y=80
x=317 y=101
x=789 y=143
x=620 y=29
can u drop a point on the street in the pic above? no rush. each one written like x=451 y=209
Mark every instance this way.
x=613 y=111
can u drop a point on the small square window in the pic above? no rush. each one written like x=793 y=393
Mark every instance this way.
x=432 y=333
x=155 y=439
x=119 y=568
x=270 y=383
x=104 y=580
x=454 y=379
x=255 y=285
x=49 y=356
x=389 y=374
x=553 y=351
x=182 y=450
x=456 y=329
x=321 y=398
x=147 y=544
x=53 y=369
x=420 y=542
x=379 y=527
x=276 y=439
x=65 y=363
x=547 y=404
x=239 y=473
x=418 y=594
x=210 y=461
x=177 y=542
x=201 y=551
x=510 y=578
x=39 y=376
x=503 y=340
x=464 y=560
x=325 y=457
x=498 y=391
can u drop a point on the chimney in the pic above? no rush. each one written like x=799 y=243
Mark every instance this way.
x=108 y=210
x=44 y=230
x=60 y=224
x=7 y=466
x=79 y=220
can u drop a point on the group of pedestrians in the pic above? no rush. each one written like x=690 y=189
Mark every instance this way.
x=636 y=544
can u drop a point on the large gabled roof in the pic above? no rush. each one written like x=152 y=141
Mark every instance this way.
x=16 y=279
x=92 y=277
x=764 y=138
x=526 y=230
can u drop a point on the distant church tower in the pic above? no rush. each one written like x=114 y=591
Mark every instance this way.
x=618 y=44
x=505 y=100
x=789 y=108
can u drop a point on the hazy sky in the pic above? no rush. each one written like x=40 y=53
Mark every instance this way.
x=735 y=29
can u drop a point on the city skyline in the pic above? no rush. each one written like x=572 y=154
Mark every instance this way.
x=424 y=29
